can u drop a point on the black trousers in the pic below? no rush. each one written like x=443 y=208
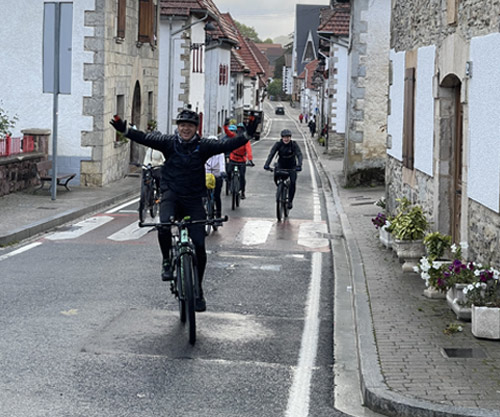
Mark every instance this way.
x=217 y=192
x=179 y=207
x=293 y=182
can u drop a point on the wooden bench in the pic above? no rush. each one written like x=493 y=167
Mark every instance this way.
x=42 y=173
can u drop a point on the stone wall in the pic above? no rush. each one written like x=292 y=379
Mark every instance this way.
x=421 y=192
x=484 y=234
x=18 y=172
x=424 y=22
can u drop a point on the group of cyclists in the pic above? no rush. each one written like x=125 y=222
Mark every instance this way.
x=187 y=159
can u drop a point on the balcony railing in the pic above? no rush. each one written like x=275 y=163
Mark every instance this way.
x=17 y=145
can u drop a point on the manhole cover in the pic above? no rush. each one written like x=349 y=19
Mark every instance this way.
x=454 y=353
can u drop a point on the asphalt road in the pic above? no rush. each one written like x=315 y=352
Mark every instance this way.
x=89 y=329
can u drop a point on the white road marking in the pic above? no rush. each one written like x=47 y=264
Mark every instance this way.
x=80 y=228
x=118 y=208
x=131 y=232
x=299 y=397
x=255 y=232
x=310 y=235
x=20 y=250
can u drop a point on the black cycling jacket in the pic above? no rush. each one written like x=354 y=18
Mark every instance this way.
x=184 y=169
x=289 y=155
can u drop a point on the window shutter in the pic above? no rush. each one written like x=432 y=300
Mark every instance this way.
x=122 y=18
x=409 y=118
x=146 y=26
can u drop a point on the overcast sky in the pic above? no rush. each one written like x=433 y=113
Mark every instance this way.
x=270 y=18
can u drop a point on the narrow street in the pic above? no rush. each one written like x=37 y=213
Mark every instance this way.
x=90 y=329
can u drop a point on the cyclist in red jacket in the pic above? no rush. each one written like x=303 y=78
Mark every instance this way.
x=240 y=156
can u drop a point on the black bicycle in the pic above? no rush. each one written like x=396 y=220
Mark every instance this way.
x=185 y=286
x=150 y=192
x=235 y=182
x=282 y=177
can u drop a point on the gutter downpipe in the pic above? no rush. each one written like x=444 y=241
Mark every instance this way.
x=170 y=64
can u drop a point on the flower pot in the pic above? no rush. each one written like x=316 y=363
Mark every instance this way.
x=455 y=299
x=385 y=237
x=486 y=322
x=410 y=251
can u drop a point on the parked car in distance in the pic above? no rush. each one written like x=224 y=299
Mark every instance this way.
x=280 y=110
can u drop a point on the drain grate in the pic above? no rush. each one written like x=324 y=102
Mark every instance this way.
x=460 y=353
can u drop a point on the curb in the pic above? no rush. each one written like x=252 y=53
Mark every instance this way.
x=48 y=223
x=377 y=396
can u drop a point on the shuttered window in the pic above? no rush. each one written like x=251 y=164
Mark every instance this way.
x=409 y=119
x=121 y=18
x=146 y=21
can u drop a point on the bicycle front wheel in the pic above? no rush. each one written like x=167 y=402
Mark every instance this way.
x=284 y=200
x=235 y=190
x=143 y=202
x=155 y=203
x=210 y=214
x=187 y=272
x=279 y=202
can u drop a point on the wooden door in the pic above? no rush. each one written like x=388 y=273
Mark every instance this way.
x=457 y=169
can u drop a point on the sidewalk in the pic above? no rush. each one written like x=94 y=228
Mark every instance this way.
x=404 y=368
x=26 y=214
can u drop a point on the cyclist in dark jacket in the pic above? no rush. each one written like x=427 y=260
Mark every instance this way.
x=289 y=157
x=182 y=181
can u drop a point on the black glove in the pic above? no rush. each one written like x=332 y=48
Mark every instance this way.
x=250 y=162
x=266 y=167
x=298 y=168
x=119 y=124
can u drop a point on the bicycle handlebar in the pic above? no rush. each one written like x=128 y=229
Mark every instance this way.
x=186 y=221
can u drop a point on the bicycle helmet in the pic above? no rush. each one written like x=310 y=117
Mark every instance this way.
x=188 y=116
x=232 y=128
x=286 y=132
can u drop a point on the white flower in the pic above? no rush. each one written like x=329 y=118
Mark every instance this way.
x=453 y=248
x=464 y=245
x=477 y=272
x=425 y=276
x=416 y=269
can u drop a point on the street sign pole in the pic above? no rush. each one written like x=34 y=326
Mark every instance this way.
x=57 y=27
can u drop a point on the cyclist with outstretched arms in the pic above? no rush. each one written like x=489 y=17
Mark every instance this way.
x=182 y=181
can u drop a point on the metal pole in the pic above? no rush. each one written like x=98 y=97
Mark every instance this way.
x=57 y=21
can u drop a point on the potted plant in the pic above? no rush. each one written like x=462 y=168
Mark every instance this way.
x=6 y=123
x=409 y=227
x=382 y=224
x=437 y=246
x=431 y=271
x=483 y=297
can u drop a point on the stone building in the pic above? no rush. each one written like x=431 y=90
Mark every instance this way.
x=368 y=63
x=108 y=61
x=443 y=126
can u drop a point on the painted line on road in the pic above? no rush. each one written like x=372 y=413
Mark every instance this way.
x=255 y=232
x=299 y=397
x=131 y=232
x=20 y=250
x=118 y=208
x=80 y=228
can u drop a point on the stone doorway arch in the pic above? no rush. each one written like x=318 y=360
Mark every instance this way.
x=450 y=157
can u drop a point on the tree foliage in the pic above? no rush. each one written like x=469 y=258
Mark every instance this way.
x=275 y=88
x=248 y=32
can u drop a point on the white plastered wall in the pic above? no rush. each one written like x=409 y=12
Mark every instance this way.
x=21 y=41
